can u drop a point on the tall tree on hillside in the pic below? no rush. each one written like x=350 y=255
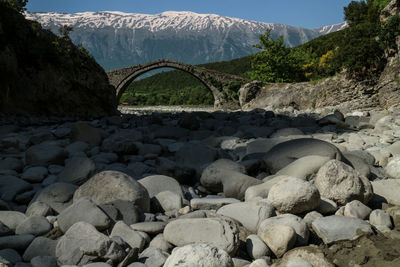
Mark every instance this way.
x=18 y=5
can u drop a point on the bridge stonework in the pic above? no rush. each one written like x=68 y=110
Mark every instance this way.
x=219 y=83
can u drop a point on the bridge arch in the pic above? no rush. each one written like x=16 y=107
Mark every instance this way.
x=130 y=74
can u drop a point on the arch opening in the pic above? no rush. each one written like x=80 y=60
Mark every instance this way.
x=190 y=87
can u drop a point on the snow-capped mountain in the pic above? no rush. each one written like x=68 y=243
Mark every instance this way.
x=117 y=39
x=332 y=28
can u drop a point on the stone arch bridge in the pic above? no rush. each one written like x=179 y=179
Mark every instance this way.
x=222 y=85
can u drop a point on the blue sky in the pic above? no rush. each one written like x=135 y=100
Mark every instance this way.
x=303 y=13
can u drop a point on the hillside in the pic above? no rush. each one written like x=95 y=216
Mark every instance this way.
x=117 y=39
x=43 y=74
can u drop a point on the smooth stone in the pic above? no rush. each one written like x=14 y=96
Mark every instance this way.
x=393 y=167
x=304 y=166
x=358 y=163
x=10 y=163
x=108 y=186
x=249 y=214
x=10 y=255
x=85 y=210
x=195 y=155
x=155 y=184
x=339 y=182
x=286 y=132
x=327 y=206
x=40 y=246
x=239 y=262
x=38 y=208
x=202 y=255
x=262 y=190
x=11 y=219
x=97 y=264
x=291 y=220
x=153 y=257
x=4 y=230
x=84 y=132
x=58 y=196
x=285 y=153
x=211 y=203
x=76 y=148
x=309 y=254
x=380 y=219
x=123 y=142
x=259 y=263
x=388 y=189
x=44 y=261
x=293 y=195
x=168 y=201
x=159 y=242
x=130 y=236
x=34 y=225
x=11 y=185
x=356 y=209
x=83 y=243
x=279 y=238
x=298 y=263
x=17 y=242
x=35 y=174
x=77 y=170
x=121 y=210
x=311 y=216
x=256 y=248
x=335 y=228
x=44 y=155
x=149 y=227
x=218 y=232
x=221 y=177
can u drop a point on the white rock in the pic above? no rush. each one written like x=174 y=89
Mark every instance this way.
x=393 y=167
x=356 y=209
x=279 y=238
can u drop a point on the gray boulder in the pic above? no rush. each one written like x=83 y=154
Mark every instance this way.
x=279 y=238
x=211 y=203
x=34 y=225
x=341 y=183
x=84 y=132
x=159 y=242
x=58 y=196
x=108 y=186
x=393 y=167
x=11 y=219
x=11 y=163
x=256 y=248
x=356 y=209
x=308 y=256
x=249 y=214
x=381 y=220
x=10 y=186
x=130 y=236
x=218 y=232
x=335 y=228
x=195 y=155
x=285 y=153
x=123 y=142
x=38 y=208
x=219 y=177
x=151 y=228
x=293 y=195
x=153 y=257
x=388 y=189
x=85 y=210
x=155 y=184
x=201 y=255
x=291 y=220
x=45 y=154
x=35 y=174
x=10 y=255
x=77 y=170
x=82 y=243
x=304 y=166
x=17 y=242
x=168 y=201
x=121 y=210
x=44 y=261
x=40 y=246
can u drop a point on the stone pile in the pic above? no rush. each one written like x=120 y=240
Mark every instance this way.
x=195 y=189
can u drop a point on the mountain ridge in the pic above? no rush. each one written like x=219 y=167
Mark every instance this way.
x=118 y=39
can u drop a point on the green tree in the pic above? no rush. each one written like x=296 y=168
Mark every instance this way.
x=65 y=30
x=18 y=5
x=275 y=63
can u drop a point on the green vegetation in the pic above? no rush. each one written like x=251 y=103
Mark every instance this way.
x=18 y=5
x=359 y=50
x=180 y=88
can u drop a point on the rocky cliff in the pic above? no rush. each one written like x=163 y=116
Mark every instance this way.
x=42 y=74
x=339 y=90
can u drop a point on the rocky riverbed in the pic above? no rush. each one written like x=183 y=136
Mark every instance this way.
x=257 y=188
